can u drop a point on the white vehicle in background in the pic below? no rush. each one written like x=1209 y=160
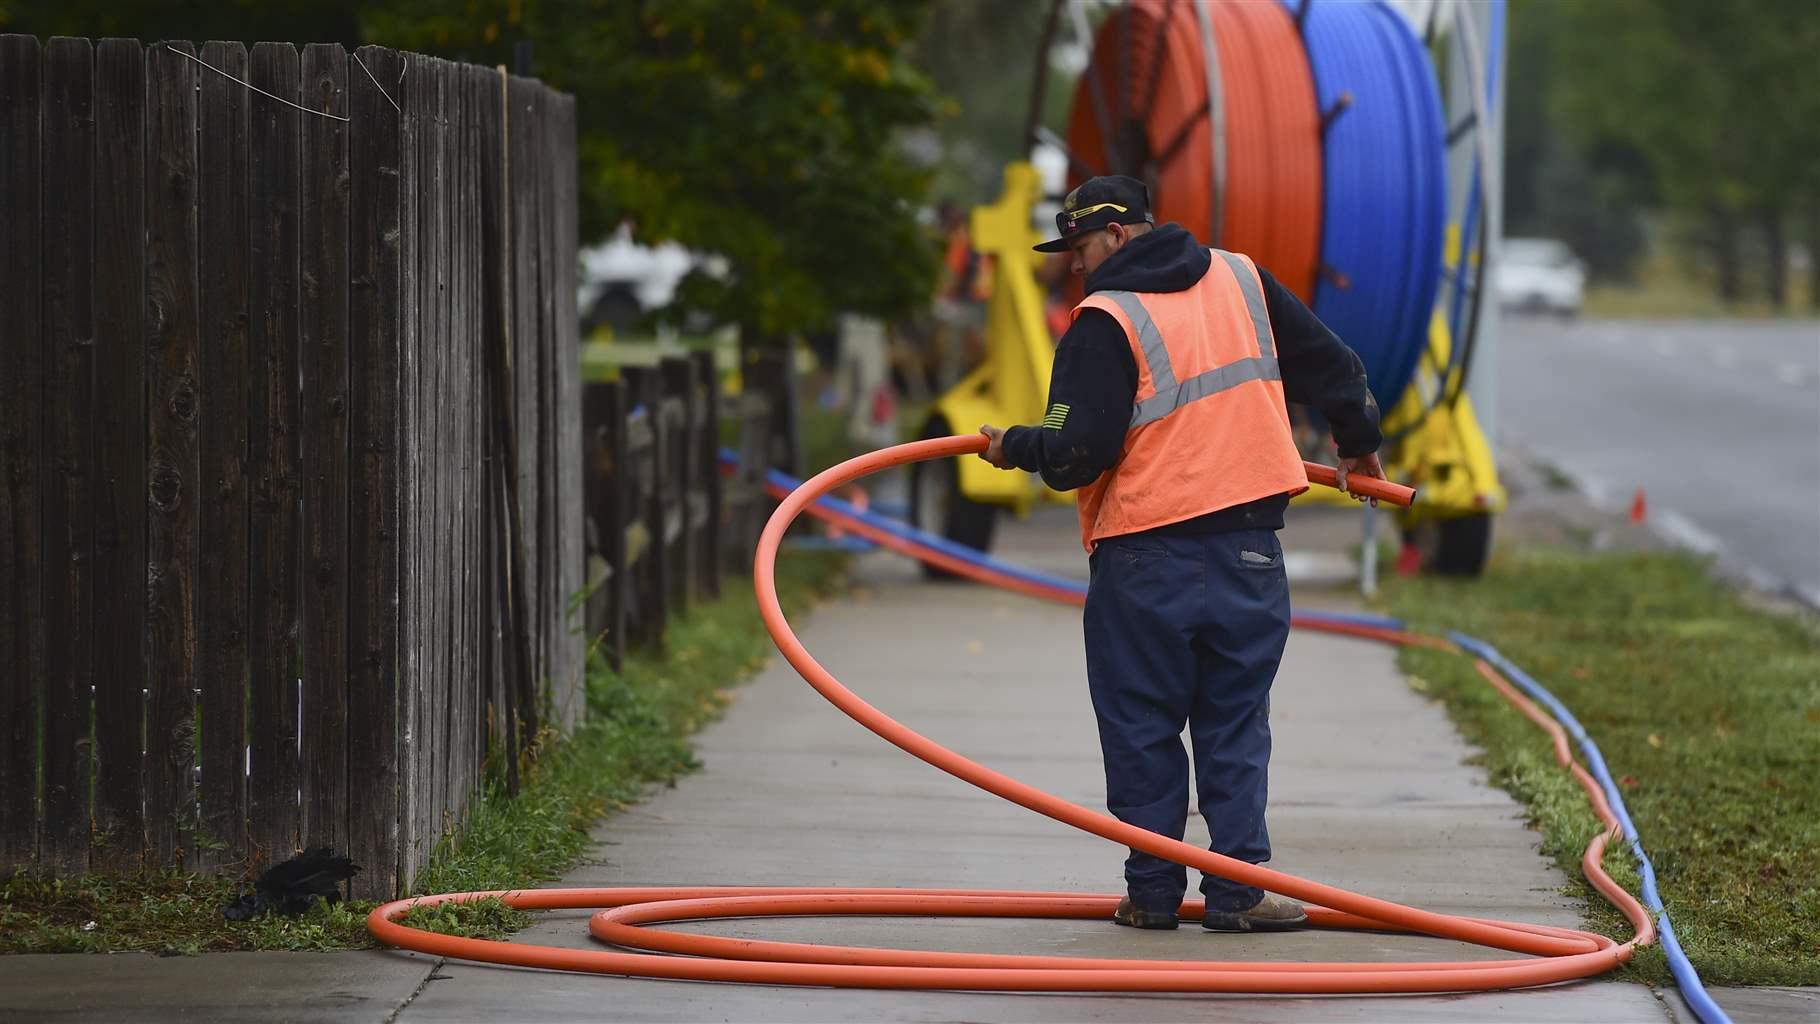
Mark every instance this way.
x=1540 y=275
x=621 y=280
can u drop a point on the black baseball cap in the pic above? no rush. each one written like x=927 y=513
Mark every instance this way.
x=1097 y=202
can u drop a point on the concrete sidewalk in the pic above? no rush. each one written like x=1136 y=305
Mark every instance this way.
x=1369 y=792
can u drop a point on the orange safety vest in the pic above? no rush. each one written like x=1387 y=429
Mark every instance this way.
x=1210 y=429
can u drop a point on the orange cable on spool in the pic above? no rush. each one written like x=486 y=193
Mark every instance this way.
x=1273 y=151
x=1148 y=107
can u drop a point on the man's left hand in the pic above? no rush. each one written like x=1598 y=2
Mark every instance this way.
x=995 y=447
x=1362 y=465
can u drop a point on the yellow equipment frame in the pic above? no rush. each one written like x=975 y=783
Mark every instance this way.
x=1011 y=385
x=1446 y=456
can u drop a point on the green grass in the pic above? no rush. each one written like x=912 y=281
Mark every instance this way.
x=1708 y=715
x=637 y=734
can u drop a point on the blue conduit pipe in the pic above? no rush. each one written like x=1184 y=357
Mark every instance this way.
x=1384 y=185
x=1693 y=990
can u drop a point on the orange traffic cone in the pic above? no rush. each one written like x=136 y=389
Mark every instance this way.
x=1638 y=509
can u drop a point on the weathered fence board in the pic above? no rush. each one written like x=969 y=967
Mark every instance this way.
x=224 y=225
x=323 y=444
x=465 y=751
x=435 y=599
x=21 y=445
x=502 y=637
x=571 y=558
x=375 y=471
x=68 y=324
x=413 y=795
x=522 y=159
x=120 y=490
x=549 y=602
x=172 y=342
x=272 y=452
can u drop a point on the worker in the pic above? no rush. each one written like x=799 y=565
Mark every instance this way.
x=1167 y=413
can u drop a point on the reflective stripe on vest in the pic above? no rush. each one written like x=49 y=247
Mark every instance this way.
x=1171 y=394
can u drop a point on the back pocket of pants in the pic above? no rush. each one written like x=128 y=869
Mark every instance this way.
x=1260 y=557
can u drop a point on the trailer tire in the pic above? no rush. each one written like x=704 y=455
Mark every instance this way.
x=1457 y=545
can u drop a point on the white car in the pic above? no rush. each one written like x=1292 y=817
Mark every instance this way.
x=620 y=280
x=1540 y=275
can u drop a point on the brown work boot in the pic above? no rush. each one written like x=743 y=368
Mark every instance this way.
x=1273 y=913
x=1130 y=916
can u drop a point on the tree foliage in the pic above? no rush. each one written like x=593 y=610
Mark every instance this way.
x=981 y=55
x=1715 y=106
x=766 y=132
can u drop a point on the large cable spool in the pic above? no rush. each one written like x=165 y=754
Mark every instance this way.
x=1385 y=189
x=1211 y=104
x=1307 y=135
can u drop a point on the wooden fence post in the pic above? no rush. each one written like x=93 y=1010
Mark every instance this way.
x=747 y=505
x=708 y=379
x=605 y=480
x=647 y=549
x=681 y=446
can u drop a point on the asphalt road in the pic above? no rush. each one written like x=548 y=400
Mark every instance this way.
x=1718 y=422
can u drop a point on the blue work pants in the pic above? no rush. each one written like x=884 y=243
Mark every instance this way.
x=1187 y=630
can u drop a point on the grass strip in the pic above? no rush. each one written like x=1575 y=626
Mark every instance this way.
x=637 y=733
x=1708 y=714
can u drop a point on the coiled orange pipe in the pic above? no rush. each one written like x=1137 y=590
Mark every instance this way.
x=1558 y=954
x=1239 y=165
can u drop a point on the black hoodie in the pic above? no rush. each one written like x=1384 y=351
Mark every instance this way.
x=1095 y=378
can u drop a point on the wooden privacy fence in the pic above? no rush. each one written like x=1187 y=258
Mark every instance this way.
x=663 y=523
x=290 y=456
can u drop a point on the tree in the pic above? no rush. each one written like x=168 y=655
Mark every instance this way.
x=763 y=131
x=1716 y=99
x=1527 y=133
x=981 y=55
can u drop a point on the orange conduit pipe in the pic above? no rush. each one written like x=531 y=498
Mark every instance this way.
x=1241 y=169
x=1273 y=143
x=627 y=914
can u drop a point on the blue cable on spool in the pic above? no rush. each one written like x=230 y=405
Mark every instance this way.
x=1384 y=184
